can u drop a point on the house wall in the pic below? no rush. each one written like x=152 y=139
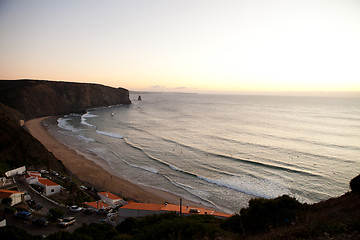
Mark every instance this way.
x=3 y=223
x=31 y=180
x=107 y=200
x=112 y=203
x=14 y=172
x=49 y=190
x=124 y=213
x=16 y=198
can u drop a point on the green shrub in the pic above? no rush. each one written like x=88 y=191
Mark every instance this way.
x=10 y=210
x=56 y=213
x=7 y=202
x=263 y=213
x=14 y=233
x=355 y=184
x=170 y=226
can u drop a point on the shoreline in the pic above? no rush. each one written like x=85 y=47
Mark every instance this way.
x=99 y=175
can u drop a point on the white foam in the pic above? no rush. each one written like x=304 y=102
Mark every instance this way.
x=110 y=134
x=174 y=168
x=86 y=139
x=250 y=185
x=149 y=169
x=63 y=123
x=85 y=116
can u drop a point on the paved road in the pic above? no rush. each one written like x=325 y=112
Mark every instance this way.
x=53 y=226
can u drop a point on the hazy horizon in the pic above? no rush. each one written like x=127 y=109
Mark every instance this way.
x=188 y=46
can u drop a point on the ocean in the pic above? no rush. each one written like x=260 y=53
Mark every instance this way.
x=223 y=150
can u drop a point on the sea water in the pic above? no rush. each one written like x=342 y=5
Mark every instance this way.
x=222 y=150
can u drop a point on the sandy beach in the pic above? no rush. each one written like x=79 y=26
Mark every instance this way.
x=98 y=176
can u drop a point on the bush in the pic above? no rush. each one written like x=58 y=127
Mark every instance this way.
x=170 y=226
x=56 y=213
x=14 y=233
x=355 y=184
x=263 y=213
x=95 y=231
x=7 y=202
x=10 y=210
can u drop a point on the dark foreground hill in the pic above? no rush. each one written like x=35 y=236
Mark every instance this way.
x=19 y=148
x=280 y=218
x=26 y=99
x=37 y=98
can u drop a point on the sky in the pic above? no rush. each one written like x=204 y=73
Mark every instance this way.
x=188 y=46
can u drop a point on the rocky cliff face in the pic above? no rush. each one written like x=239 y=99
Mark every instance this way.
x=35 y=98
x=26 y=99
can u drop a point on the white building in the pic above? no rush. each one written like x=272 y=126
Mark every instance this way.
x=17 y=171
x=31 y=177
x=49 y=186
x=111 y=199
x=16 y=197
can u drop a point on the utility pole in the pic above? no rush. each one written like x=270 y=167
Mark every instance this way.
x=180 y=206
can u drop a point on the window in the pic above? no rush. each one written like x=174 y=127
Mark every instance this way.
x=52 y=190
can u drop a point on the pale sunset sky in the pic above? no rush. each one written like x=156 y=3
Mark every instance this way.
x=189 y=46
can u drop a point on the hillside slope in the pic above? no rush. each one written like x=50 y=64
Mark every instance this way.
x=26 y=99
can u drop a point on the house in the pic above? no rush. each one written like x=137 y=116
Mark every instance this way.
x=6 y=181
x=49 y=186
x=31 y=177
x=15 y=196
x=97 y=205
x=111 y=199
x=134 y=209
x=3 y=223
x=14 y=172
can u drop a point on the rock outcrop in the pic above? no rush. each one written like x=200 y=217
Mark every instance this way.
x=37 y=98
x=19 y=148
x=26 y=99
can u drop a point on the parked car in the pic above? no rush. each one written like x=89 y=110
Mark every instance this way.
x=88 y=211
x=102 y=211
x=75 y=208
x=27 y=197
x=34 y=205
x=44 y=171
x=66 y=221
x=55 y=173
x=43 y=222
x=194 y=210
x=23 y=215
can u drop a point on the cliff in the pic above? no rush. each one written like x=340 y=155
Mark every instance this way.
x=27 y=99
x=19 y=148
x=37 y=98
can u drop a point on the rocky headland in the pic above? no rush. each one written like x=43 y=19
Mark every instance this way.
x=38 y=98
x=22 y=100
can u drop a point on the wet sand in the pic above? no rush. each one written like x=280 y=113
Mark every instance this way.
x=99 y=175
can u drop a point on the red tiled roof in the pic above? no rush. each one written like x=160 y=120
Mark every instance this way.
x=47 y=182
x=172 y=208
x=143 y=206
x=110 y=195
x=186 y=210
x=31 y=175
x=97 y=205
x=6 y=193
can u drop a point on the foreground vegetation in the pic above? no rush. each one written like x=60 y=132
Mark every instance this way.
x=280 y=218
